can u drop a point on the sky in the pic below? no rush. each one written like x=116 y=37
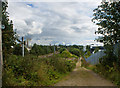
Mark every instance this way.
x=55 y=22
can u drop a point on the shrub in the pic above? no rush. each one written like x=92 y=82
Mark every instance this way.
x=34 y=71
x=18 y=50
x=75 y=51
x=62 y=49
x=87 y=54
x=66 y=54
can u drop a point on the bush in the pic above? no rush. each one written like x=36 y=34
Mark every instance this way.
x=107 y=60
x=18 y=50
x=75 y=51
x=62 y=49
x=107 y=72
x=84 y=63
x=66 y=54
x=34 y=71
x=88 y=53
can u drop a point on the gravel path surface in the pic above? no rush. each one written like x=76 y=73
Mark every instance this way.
x=83 y=77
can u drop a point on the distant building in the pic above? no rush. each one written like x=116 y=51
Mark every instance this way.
x=84 y=48
x=110 y=0
x=92 y=49
x=27 y=45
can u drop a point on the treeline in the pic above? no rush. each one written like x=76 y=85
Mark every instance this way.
x=43 y=49
x=73 y=49
x=35 y=49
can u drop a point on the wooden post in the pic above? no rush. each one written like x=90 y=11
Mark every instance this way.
x=23 y=46
x=54 y=48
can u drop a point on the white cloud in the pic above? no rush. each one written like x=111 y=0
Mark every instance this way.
x=53 y=0
x=45 y=23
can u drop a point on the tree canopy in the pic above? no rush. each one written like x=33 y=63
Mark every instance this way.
x=107 y=17
x=8 y=34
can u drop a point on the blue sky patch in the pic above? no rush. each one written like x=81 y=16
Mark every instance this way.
x=31 y=5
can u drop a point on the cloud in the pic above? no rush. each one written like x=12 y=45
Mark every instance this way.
x=47 y=22
x=53 y=1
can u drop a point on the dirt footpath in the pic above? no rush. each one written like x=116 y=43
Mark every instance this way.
x=83 y=77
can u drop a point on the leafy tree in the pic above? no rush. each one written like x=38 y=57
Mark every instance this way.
x=18 y=50
x=75 y=51
x=107 y=17
x=8 y=35
x=62 y=49
x=35 y=50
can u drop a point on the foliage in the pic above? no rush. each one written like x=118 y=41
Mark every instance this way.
x=80 y=47
x=88 y=53
x=75 y=51
x=62 y=49
x=34 y=71
x=107 y=17
x=42 y=50
x=108 y=72
x=82 y=53
x=88 y=48
x=105 y=71
x=66 y=54
x=96 y=50
x=18 y=50
x=8 y=35
x=84 y=63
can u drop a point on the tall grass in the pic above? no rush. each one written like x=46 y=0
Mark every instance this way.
x=34 y=71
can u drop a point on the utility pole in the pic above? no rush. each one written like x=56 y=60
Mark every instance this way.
x=23 y=46
x=1 y=56
x=54 y=48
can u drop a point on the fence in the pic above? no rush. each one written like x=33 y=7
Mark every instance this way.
x=116 y=49
x=94 y=58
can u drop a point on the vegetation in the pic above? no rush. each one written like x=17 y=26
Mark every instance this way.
x=84 y=63
x=96 y=50
x=75 y=51
x=88 y=53
x=8 y=35
x=67 y=54
x=88 y=48
x=62 y=49
x=17 y=50
x=107 y=17
x=42 y=50
x=107 y=72
x=31 y=70
x=34 y=71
